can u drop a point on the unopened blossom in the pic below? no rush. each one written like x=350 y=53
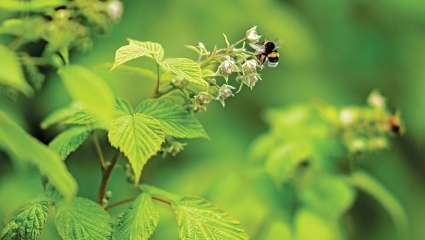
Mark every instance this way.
x=357 y=145
x=203 y=98
x=252 y=35
x=250 y=66
x=347 y=116
x=250 y=80
x=227 y=67
x=225 y=91
x=376 y=100
x=114 y=9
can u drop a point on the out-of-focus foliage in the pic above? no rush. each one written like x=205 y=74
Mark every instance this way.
x=334 y=50
x=311 y=151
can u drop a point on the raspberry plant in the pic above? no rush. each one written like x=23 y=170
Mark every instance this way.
x=156 y=126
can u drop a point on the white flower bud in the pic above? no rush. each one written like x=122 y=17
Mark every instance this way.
x=227 y=66
x=203 y=98
x=115 y=9
x=250 y=80
x=376 y=100
x=225 y=91
x=252 y=35
x=357 y=145
x=347 y=116
x=250 y=66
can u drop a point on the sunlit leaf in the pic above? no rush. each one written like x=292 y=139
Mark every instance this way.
x=138 y=136
x=34 y=5
x=278 y=228
x=309 y=225
x=139 y=221
x=123 y=107
x=27 y=223
x=90 y=91
x=69 y=115
x=136 y=49
x=30 y=28
x=184 y=68
x=22 y=145
x=174 y=119
x=83 y=219
x=11 y=73
x=200 y=220
x=68 y=141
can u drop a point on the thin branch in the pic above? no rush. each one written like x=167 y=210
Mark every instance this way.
x=156 y=92
x=99 y=152
x=124 y=201
x=131 y=199
x=105 y=178
x=159 y=199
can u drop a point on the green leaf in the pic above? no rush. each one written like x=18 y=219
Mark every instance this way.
x=27 y=223
x=278 y=228
x=90 y=90
x=282 y=163
x=184 y=68
x=174 y=119
x=136 y=49
x=262 y=146
x=368 y=184
x=139 y=221
x=83 y=219
x=198 y=219
x=309 y=225
x=28 y=28
x=70 y=115
x=69 y=140
x=22 y=145
x=34 y=5
x=123 y=107
x=11 y=73
x=139 y=137
x=330 y=196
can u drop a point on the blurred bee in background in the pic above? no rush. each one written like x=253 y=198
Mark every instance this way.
x=267 y=52
x=395 y=125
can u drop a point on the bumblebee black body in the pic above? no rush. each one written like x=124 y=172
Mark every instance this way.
x=269 y=53
x=395 y=125
x=269 y=47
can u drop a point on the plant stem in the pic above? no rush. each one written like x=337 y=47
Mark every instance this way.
x=99 y=152
x=156 y=92
x=159 y=199
x=131 y=199
x=159 y=194
x=105 y=178
x=124 y=201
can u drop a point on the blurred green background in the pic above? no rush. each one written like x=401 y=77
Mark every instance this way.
x=333 y=50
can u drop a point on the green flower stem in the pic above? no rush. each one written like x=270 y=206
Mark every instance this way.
x=218 y=53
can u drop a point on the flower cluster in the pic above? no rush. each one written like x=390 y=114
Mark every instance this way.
x=237 y=59
x=367 y=128
x=45 y=28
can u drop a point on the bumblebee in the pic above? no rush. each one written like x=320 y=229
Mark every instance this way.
x=395 y=125
x=267 y=52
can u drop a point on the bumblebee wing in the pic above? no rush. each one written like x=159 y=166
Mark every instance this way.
x=258 y=48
